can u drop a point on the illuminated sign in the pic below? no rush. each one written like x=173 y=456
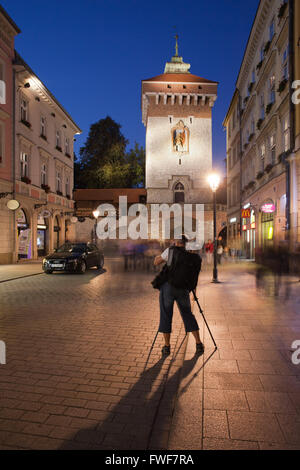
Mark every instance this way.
x=253 y=225
x=246 y=213
x=268 y=208
x=233 y=220
x=244 y=228
x=246 y=206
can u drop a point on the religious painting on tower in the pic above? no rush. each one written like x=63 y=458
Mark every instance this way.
x=180 y=138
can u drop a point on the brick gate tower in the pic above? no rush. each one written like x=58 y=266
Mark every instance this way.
x=177 y=113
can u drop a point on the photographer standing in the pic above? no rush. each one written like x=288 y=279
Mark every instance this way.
x=180 y=277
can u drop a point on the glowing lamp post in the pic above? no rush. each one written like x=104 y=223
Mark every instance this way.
x=214 y=181
x=96 y=215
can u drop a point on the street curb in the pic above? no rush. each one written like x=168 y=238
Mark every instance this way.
x=20 y=277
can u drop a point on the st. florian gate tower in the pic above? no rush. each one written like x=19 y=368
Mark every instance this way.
x=177 y=112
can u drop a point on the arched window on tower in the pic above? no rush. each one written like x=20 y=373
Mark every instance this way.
x=179 y=193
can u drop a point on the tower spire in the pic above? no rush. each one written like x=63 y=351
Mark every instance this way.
x=176 y=65
x=176 y=45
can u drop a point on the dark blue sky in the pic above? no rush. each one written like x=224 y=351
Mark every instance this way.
x=93 y=54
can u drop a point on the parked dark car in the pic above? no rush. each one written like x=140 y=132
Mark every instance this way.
x=74 y=257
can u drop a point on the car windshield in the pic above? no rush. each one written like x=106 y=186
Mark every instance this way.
x=71 y=248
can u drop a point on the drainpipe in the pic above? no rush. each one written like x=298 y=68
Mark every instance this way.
x=292 y=122
x=241 y=162
x=14 y=164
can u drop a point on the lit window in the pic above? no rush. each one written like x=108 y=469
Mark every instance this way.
x=24 y=165
x=43 y=126
x=44 y=174
x=67 y=146
x=272 y=88
x=24 y=110
x=57 y=139
x=58 y=181
x=273 y=149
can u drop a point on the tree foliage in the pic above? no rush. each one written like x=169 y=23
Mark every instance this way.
x=104 y=162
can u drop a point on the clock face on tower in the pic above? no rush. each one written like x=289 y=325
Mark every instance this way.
x=180 y=136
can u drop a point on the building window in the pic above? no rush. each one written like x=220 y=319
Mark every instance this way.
x=272 y=30
x=272 y=88
x=273 y=149
x=179 y=193
x=262 y=53
x=262 y=157
x=286 y=135
x=43 y=126
x=24 y=165
x=44 y=174
x=67 y=146
x=58 y=181
x=57 y=140
x=67 y=186
x=253 y=76
x=262 y=106
x=252 y=126
x=24 y=110
x=285 y=63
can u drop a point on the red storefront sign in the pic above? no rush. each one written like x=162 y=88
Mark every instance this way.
x=246 y=213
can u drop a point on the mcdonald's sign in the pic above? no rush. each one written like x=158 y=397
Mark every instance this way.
x=246 y=213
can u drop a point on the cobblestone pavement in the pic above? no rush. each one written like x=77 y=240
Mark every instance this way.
x=247 y=395
x=77 y=346
x=76 y=349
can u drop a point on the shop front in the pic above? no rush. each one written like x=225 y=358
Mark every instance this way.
x=42 y=238
x=24 y=235
x=249 y=232
x=267 y=219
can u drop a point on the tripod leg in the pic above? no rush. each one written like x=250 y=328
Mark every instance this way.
x=201 y=311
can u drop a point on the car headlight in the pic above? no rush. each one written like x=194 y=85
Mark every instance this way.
x=45 y=261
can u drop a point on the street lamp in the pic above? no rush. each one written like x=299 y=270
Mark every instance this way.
x=96 y=215
x=214 y=181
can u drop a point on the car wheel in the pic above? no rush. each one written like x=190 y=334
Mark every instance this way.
x=82 y=267
x=48 y=272
x=101 y=264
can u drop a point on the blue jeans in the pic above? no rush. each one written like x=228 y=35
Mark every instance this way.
x=168 y=295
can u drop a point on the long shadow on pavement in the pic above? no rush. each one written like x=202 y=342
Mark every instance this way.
x=142 y=418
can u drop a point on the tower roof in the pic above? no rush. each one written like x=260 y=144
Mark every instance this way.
x=179 y=78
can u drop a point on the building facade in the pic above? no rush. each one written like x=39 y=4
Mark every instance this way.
x=8 y=31
x=39 y=167
x=260 y=140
